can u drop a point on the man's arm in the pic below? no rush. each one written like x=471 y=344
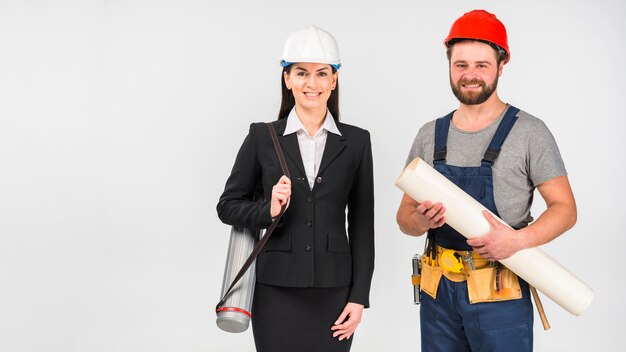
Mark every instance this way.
x=560 y=216
x=415 y=218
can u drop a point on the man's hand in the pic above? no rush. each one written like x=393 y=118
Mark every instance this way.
x=500 y=243
x=416 y=218
x=431 y=216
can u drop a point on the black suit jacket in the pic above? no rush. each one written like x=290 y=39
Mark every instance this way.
x=310 y=247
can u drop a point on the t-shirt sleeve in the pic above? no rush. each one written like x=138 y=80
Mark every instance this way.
x=417 y=149
x=545 y=159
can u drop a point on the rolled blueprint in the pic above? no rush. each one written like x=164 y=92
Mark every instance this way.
x=422 y=182
x=235 y=315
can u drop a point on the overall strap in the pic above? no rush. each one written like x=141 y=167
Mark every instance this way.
x=442 y=125
x=501 y=133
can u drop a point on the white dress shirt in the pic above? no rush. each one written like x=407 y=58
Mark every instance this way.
x=311 y=148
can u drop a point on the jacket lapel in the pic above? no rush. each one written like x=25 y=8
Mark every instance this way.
x=335 y=144
x=290 y=147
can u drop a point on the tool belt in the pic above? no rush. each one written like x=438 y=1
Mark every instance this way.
x=486 y=281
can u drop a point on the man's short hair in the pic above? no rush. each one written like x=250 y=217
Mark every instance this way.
x=501 y=54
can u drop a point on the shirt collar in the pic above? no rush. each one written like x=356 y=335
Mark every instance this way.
x=294 y=124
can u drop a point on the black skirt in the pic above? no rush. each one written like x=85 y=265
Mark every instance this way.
x=290 y=319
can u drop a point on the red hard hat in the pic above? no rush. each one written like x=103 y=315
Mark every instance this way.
x=481 y=25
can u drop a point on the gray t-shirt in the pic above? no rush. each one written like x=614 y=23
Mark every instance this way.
x=529 y=157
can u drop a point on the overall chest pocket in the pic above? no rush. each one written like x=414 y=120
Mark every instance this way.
x=472 y=185
x=472 y=180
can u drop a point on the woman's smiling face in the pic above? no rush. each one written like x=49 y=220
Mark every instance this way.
x=311 y=84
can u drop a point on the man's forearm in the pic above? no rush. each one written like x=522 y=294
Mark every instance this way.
x=558 y=218
x=407 y=222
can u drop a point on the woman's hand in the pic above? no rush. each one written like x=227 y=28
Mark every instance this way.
x=281 y=194
x=343 y=328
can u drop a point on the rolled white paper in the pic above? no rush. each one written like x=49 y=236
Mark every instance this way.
x=422 y=182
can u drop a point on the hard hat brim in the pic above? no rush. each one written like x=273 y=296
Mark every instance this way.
x=285 y=63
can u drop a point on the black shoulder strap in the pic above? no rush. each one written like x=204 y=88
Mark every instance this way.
x=259 y=246
x=279 y=151
x=501 y=133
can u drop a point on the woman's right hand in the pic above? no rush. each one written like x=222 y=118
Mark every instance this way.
x=281 y=194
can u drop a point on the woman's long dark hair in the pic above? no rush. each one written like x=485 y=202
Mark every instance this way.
x=288 y=102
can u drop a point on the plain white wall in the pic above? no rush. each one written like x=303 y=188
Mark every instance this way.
x=120 y=121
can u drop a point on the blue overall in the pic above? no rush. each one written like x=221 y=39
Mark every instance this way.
x=450 y=323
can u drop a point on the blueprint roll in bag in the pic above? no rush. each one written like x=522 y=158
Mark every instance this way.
x=233 y=310
x=234 y=315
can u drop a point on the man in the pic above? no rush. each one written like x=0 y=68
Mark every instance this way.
x=499 y=155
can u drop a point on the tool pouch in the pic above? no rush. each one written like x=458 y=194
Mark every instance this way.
x=482 y=286
x=431 y=275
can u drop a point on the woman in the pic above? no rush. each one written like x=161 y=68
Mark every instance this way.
x=313 y=276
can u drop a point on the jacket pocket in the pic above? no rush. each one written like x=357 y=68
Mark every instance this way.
x=338 y=243
x=279 y=242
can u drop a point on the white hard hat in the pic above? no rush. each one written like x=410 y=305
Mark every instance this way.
x=311 y=44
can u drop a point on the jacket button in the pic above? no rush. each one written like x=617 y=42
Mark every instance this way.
x=309 y=223
x=318 y=180
x=308 y=248
x=309 y=200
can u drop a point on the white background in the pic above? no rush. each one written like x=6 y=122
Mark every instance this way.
x=120 y=121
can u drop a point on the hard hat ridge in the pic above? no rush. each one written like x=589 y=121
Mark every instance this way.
x=311 y=44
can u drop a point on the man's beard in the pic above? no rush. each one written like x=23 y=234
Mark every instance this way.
x=473 y=98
